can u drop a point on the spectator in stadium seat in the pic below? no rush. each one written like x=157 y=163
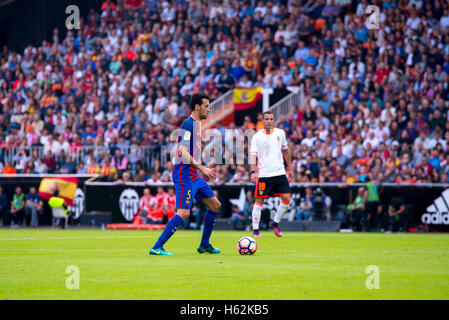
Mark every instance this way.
x=8 y=169
x=88 y=133
x=34 y=207
x=119 y=160
x=305 y=210
x=17 y=207
x=225 y=81
x=107 y=171
x=239 y=218
x=126 y=178
x=50 y=161
x=68 y=167
x=330 y=11
x=155 y=178
x=140 y=176
x=167 y=171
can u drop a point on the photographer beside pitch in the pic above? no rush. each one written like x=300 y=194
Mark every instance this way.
x=269 y=147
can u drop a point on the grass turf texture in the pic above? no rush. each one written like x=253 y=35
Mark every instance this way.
x=116 y=265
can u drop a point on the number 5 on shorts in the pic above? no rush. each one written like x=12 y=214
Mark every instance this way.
x=189 y=196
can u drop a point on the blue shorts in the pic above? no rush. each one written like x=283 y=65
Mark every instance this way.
x=189 y=190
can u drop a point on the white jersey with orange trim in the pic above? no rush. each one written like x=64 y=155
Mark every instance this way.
x=268 y=147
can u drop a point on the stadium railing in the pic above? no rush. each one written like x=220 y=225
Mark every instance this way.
x=13 y=154
x=219 y=109
x=147 y=154
x=286 y=104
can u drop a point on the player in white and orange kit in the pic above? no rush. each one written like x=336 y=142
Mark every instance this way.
x=269 y=147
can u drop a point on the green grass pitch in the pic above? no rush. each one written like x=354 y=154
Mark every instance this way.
x=116 y=265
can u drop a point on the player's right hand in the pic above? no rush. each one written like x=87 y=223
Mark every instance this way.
x=289 y=176
x=210 y=173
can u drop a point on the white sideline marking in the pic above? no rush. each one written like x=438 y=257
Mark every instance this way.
x=77 y=238
x=41 y=249
x=269 y=250
x=288 y=235
x=113 y=250
x=114 y=237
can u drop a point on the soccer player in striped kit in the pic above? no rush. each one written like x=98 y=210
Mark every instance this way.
x=188 y=184
x=269 y=147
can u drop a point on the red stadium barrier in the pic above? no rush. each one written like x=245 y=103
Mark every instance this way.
x=130 y=226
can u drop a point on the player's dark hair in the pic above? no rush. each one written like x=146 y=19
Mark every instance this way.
x=268 y=112
x=197 y=99
x=56 y=193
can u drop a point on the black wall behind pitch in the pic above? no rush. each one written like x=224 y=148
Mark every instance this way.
x=25 y=22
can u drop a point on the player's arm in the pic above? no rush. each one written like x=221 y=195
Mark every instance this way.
x=253 y=166
x=287 y=157
x=187 y=158
x=253 y=160
x=394 y=213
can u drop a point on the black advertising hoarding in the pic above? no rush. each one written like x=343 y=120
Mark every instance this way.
x=26 y=181
x=430 y=202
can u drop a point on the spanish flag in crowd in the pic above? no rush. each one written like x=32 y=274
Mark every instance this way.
x=247 y=101
x=66 y=186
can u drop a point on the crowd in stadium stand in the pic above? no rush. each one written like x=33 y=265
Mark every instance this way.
x=376 y=101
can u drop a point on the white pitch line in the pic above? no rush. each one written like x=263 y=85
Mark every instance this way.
x=132 y=237
x=43 y=249
x=268 y=250
x=111 y=237
x=115 y=250
x=76 y=238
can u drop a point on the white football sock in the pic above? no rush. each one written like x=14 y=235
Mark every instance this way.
x=257 y=212
x=282 y=209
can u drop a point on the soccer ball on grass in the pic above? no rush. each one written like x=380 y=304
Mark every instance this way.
x=247 y=245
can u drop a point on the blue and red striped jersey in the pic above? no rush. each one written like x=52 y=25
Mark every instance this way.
x=190 y=136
